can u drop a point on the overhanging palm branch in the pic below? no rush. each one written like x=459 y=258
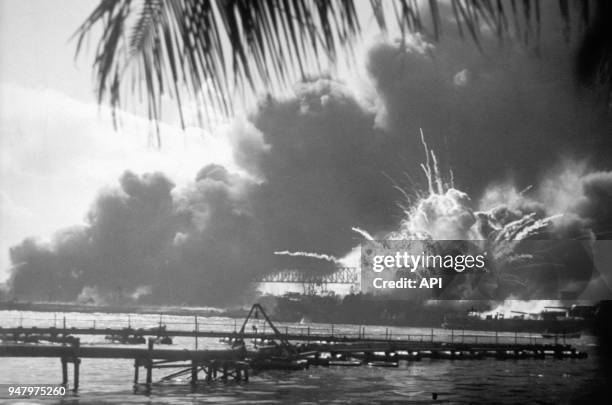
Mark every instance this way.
x=213 y=52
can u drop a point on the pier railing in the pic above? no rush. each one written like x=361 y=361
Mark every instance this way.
x=202 y=327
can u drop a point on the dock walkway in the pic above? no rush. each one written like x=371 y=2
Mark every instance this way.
x=278 y=348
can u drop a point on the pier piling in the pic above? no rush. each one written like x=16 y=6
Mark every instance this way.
x=76 y=363
x=225 y=371
x=136 y=369
x=149 y=364
x=194 y=372
x=64 y=371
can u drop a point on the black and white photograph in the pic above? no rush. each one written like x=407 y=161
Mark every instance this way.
x=305 y=202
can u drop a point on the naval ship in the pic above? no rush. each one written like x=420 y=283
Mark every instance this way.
x=568 y=321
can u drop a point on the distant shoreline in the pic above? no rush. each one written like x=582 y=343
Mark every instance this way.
x=114 y=309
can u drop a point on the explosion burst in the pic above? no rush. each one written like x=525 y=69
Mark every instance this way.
x=520 y=243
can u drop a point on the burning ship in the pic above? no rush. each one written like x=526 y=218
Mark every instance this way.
x=568 y=321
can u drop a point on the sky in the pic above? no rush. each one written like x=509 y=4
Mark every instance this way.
x=58 y=148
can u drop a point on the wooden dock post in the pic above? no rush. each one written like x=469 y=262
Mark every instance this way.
x=149 y=364
x=64 y=371
x=194 y=372
x=149 y=374
x=224 y=371
x=136 y=369
x=212 y=371
x=76 y=363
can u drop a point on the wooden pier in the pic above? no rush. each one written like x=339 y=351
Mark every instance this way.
x=235 y=364
x=214 y=363
x=271 y=350
x=303 y=335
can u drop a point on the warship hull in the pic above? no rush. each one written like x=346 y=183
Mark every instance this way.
x=565 y=326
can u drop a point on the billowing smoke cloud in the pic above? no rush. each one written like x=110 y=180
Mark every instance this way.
x=509 y=114
x=576 y=202
x=123 y=246
x=320 y=163
x=187 y=248
x=324 y=171
x=579 y=195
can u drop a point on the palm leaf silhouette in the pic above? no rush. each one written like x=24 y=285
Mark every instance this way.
x=217 y=51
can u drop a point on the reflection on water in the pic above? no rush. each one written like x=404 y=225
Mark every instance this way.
x=488 y=381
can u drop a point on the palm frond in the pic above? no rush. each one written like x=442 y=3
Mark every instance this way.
x=206 y=49
x=212 y=51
